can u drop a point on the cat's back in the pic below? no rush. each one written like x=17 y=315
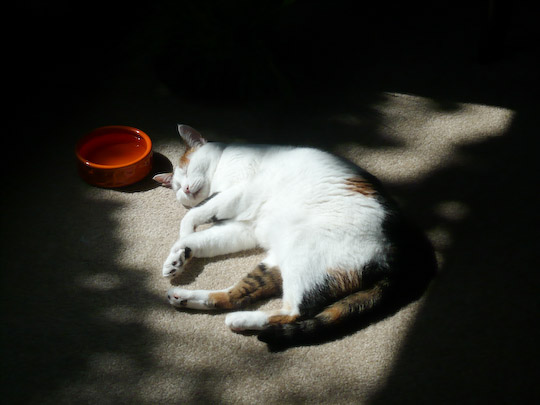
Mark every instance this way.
x=273 y=163
x=251 y=157
x=312 y=181
x=300 y=173
x=303 y=164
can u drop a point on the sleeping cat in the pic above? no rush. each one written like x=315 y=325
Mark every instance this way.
x=337 y=247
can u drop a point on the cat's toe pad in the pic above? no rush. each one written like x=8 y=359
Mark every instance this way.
x=246 y=320
x=181 y=298
x=176 y=261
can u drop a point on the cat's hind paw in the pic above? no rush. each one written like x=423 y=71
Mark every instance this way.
x=175 y=262
x=181 y=298
x=246 y=321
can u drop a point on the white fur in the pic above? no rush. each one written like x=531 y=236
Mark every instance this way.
x=193 y=299
x=293 y=202
x=246 y=320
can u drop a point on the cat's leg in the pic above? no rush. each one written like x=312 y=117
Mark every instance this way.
x=259 y=320
x=294 y=283
x=221 y=206
x=261 y=283
x=222 y=238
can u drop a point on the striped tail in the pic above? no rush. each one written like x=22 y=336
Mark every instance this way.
x=347 y=308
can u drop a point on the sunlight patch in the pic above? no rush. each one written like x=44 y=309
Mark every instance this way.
x=426 y=135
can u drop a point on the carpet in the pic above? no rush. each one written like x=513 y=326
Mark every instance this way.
x=85 y=316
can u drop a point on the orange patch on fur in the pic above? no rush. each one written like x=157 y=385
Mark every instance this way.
x=260 y=283
x=184 y=160
x=366 y=299
x=360 y=185
x=220 y=300
x=282 y=319
x=353 y=304
x=332 y=314
x=345 y=282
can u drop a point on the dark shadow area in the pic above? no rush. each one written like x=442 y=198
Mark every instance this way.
x=59 y=305
x=160 y=164
x=298 y=51
x=477 y=333
x=70 y=313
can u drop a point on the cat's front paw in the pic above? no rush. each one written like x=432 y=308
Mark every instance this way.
x=175 y=262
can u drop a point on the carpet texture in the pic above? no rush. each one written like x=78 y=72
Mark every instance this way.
x=85 y=316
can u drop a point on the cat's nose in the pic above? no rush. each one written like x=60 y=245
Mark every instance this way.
x=186 y=190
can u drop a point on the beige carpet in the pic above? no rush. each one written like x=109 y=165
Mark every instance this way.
x=85 y=316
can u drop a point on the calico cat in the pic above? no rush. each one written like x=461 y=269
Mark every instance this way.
x=337 y=246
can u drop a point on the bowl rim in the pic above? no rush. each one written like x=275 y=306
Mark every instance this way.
x=127 y=128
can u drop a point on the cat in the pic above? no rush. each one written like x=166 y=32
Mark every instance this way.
x=337 y=247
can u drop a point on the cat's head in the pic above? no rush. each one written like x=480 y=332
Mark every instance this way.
x=189 y=181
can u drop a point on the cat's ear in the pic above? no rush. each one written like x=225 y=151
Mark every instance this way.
x=165 y=179
x=191 y=136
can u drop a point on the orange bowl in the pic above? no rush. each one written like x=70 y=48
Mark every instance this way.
x=114 y=156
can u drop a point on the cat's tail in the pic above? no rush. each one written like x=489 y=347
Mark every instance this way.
x=358 y=303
